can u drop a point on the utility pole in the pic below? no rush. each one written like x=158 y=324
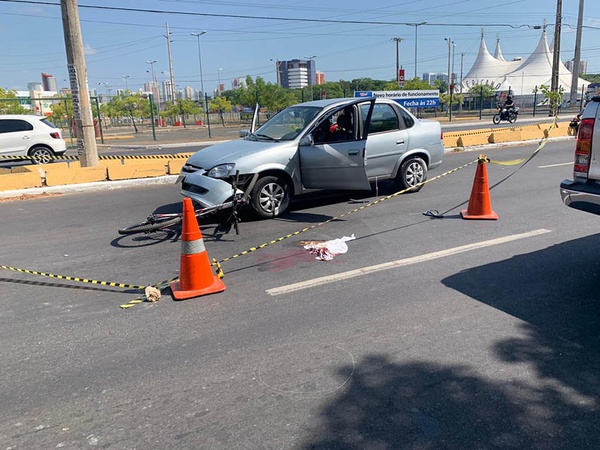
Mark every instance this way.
x=556 y=58
x=86 y=141
x=398 y=40
x=449 y=54
x=577 y=59
x=171 y=76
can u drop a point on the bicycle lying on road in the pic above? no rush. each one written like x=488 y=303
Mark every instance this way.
x=162 y=221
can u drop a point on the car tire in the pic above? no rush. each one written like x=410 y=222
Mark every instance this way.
x=41 y=155
x=412 y=172
x=496 y=119
x=270 y=197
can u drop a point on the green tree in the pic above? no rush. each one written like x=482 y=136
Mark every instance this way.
x=482 y=90
x=220 y=105
x=416 y=84
x=132 y=106
x=9 y=103
x=181 y=108
x=554 y=98
x=591 y=77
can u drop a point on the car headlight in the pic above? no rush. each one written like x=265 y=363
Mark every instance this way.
x=221 y=171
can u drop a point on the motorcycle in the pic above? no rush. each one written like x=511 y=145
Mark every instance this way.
x=508 y=114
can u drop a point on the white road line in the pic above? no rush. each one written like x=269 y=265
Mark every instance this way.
x=556 y=165
x=400 y=263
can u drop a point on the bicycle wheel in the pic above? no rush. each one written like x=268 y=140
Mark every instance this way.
x=149 y=226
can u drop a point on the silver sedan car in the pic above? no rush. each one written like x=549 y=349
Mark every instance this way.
x=342 y=144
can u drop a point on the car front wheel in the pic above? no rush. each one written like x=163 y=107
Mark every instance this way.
x=270 y=197
x=412 y=172
x=41 y=155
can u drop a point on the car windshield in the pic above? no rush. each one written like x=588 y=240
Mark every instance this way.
x=287 y=124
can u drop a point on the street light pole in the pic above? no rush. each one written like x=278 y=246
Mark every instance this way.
x=125 y=78
x=277 y=69
x=449 y=54
x=311 y=59
x=416 y=25
x=200 y=66
x=398 y=40
x=577 y=59
x=556 y=57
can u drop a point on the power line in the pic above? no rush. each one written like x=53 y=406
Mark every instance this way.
x=285 y=19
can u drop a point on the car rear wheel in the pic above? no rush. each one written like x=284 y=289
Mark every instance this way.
x=270 y=197
x=41 y=155
x=412 y=172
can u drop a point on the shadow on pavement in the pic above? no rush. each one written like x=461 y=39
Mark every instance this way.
x=424 y=405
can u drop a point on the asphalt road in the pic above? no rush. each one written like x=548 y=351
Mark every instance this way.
x=481 y=334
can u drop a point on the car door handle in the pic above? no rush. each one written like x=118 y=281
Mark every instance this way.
x=400 y=142
x=352 y=152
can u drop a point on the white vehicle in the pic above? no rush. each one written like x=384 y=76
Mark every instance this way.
x=583 y=191
x=29 y=135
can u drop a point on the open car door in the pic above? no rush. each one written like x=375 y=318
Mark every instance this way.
x=338 y=163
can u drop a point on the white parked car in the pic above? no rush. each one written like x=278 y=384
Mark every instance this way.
x=326 y=144
x=29 y=135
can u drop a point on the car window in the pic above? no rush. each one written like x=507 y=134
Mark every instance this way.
x=336 y=127
x=384 y=118
x=47 y=122
x=407 y=118
x=13 y=125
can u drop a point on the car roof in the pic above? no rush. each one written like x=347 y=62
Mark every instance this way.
x=338 y=101
x=21 y=116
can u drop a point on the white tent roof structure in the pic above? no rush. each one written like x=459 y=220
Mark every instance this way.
x=520 y=76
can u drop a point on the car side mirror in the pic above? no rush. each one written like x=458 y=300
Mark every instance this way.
x=307 y=141
x=244 y=133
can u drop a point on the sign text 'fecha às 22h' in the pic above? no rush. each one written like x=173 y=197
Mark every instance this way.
x=408 y=99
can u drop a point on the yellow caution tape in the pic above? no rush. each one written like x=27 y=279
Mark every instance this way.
x=333 y=219
x=100 y=157
x=76 y=279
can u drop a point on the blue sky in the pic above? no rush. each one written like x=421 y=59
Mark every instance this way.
x=245 y=37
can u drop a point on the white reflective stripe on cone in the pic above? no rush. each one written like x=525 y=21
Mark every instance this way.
x=192 y=247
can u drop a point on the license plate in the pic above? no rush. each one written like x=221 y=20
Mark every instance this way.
x=180 y=179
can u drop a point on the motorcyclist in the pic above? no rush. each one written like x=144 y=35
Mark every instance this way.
x=509 y=105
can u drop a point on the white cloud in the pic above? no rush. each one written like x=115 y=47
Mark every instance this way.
x=88 y=50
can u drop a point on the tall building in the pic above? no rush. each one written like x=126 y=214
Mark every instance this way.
x=582 y=66
x=297 y=73
x=189 y=93
x=238 y=83
x=35 y=86
x=320 y=79
x=49 y=82
x=430 y=77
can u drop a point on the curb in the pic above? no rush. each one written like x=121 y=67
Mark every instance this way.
x=87 y=187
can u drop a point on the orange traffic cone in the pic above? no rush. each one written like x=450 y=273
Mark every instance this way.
x=195 y=274
x=480 y=204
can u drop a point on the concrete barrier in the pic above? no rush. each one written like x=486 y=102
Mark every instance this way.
x=22 y=180
x=139 y=169
x=469 y=140
x=174 y=165
x=498 y=137
x=63 y=176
